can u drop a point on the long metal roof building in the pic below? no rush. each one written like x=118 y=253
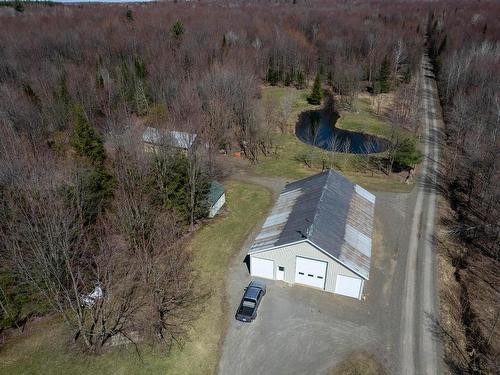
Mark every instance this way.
x=327 y=210
x=175 y=138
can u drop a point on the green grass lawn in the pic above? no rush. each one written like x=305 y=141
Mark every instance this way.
x=285 y=164
x=45 y=350
x=365 y=120
x=297 y=97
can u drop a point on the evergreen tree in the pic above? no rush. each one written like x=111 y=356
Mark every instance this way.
x=384 y=75
x=18 y=6
x=95 y=184
x=317 y=92
x=178 y=30
x=272 y=76
x=130 y=16
x=330 y=79
x=170 y=183
x=85 y=139
x=141 y=101
x=407 y=154
x=300 y=80
x=62 y=92
x=127 y=86
x=96 y=191
x=140 y=68
x=224 y=42
x=288 y=79
x=280 y=74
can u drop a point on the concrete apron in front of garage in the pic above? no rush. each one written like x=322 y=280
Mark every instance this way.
x=300 y=329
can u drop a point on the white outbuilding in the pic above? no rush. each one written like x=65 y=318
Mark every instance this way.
x=318 y=234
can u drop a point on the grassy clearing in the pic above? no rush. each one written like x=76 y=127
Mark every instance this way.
x=359 y=363
x=365 y=120
x=298 y=98
x=285 y=164
x=45 y=350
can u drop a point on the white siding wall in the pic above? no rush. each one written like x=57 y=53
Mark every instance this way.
x=217 y=206
x=285 y=257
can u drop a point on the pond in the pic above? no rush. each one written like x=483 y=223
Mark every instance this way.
x=317 y=128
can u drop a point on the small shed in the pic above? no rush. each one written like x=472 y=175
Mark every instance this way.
x=216 y=198
x=153 y=137
x=318 y=234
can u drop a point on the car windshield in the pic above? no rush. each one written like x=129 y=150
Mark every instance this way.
x=248 y=303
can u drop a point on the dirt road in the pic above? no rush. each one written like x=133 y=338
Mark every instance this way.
x=419 y=350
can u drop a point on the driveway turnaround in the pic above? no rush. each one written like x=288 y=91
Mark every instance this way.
x=297 y=329
x=304 y=330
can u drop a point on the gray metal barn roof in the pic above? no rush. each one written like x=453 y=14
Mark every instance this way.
x=327 y=210
x=177 y=139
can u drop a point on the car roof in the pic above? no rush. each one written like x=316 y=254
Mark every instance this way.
x=254 y=288
x=252 y=292
x=257 y=284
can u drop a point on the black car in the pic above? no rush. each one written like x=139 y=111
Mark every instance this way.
x=250 y=301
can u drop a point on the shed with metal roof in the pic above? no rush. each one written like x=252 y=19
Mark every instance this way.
x=153 y=137
x=216 y=198
x=319 y=234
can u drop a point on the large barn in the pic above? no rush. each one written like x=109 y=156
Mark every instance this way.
x=318 y=234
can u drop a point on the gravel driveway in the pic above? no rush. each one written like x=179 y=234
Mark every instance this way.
x=302 y=330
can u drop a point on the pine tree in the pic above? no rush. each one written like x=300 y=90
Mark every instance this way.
x=141 y=101
x=140 y=68
x=384 y=75
x=96 y=189
x=317 y=92
x=271 y=76
x=18 y=6
x=130 y=16
x=407 y=154
x=178 y=30
x=96 y=183
x=171 y=187
x=85 y=139
x=300 y=80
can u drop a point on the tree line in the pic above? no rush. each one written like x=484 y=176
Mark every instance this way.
x=466 y=65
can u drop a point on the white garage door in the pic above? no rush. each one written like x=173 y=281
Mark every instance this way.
x=348 y=286
x=310 y=272
x=262 y=267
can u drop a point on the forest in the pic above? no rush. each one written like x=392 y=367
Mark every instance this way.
x=83 y=208
x=467 y=68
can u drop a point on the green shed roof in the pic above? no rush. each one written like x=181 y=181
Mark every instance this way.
x=216 y=191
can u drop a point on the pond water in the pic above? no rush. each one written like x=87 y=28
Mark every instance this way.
x=317 y=128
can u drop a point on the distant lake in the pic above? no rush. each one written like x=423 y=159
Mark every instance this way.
x=317 y=128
